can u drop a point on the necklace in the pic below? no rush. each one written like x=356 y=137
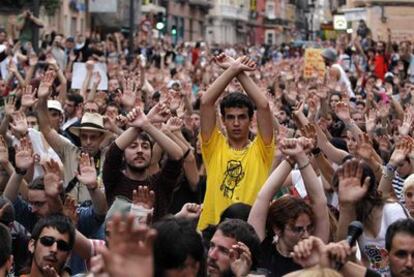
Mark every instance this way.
x=280 y=252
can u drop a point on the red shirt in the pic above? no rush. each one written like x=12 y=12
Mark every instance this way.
x=381 y=66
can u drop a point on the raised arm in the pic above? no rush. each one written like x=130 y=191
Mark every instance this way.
x=50 y=134
x=173 y=130
x=258 y=213
x=209 y=98
x=264 y=114
x=138 y=119
x=351 y=190
x=87 y=176
x=295 y=148
x=402 y=149
x=24 y=160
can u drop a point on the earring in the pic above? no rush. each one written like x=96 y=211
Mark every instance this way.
x=275 y=239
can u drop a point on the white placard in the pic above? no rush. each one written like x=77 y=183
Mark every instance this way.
x=340 y=22
x=103 y=6
x=79 y=75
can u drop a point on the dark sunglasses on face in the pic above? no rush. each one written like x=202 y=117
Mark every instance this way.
x=61 y=244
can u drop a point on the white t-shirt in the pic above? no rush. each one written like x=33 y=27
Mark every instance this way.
x=45 y=152
x=374 y=248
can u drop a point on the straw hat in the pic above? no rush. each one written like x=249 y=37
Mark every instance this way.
x=91 y=122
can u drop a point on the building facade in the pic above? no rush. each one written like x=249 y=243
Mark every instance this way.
x=189 y=18
x=381 y=15
x=227 y=22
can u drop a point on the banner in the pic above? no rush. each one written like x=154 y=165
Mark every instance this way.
x=313 y=62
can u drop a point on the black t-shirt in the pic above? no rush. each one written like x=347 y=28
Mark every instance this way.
x=273 y=261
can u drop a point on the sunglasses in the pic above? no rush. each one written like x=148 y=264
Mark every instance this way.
x=61 y=244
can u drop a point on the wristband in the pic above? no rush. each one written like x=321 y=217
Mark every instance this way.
x=186 y=153
x=304 y=166
x=316 y=151
x=20 y=171
x=292 y=164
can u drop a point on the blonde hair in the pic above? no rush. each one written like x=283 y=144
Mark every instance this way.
x=408 y=183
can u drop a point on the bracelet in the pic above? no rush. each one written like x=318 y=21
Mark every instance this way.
x=186 y=153
x=316 y=151
x=292 y=165
x=302 y=167
x=92 y=189
x=20 y=171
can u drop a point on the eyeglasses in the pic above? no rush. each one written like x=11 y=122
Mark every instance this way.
x=301 y=229
x=61 y=244
x=37 y=204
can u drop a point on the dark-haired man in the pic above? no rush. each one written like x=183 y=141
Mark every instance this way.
x=128 y=160
x=399 y=242
x=51 y=244
x=6 y=257
x=232 y=237
x=236 y=166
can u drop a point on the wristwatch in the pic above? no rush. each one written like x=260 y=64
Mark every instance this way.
x=390 y=168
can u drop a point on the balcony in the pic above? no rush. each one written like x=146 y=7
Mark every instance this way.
x=233 y=12
x=206 y=4
x=276 y=21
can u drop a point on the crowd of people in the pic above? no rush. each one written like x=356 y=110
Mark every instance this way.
x=198 y=160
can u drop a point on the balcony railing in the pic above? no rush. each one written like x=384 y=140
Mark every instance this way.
x=207 y=4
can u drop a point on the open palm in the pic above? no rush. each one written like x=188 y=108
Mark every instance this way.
x=351 y=189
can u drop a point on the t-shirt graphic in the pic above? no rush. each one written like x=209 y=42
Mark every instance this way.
x=232 y=176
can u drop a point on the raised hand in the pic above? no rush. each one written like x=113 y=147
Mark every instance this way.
x=10 y=105
x=342 y=111
x=407 y=124
x=190 y=211
x=240 y=259
x=309 y=132
x=53 y=179
x=175 y=99
x=291 y=147
x=351 y=188
x=130 y=249
x=159 y=113
x=128 y=93
x=90 y=65
x=370 y=120
x=310 y=252
x=19 y=124
x=174 y=124
x=224 y=61
x=4 y=151
x=28 y=97
x=137 y=118
x=87 y=171
x=244 y=63
x=12 y=66
x=364 y=147
x=70 y=209
x=143 y=197
x=24 y=154
x=45 y=84
x=33 y=59
x=97 y=78
x=402 y=149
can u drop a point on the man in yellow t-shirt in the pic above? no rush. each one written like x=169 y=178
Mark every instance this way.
x=236 y=167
